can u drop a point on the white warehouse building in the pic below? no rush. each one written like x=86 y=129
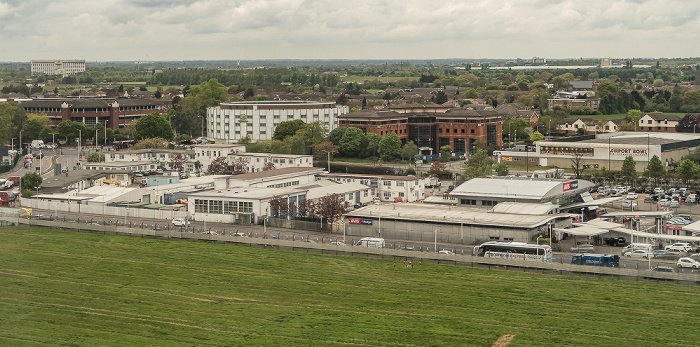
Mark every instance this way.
x=232 y=121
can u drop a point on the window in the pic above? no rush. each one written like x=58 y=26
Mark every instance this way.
x=201 y=206
x=399 y=183
x=387 y=194
x=471 y=131
x=215 y=206
x=245 y=207
x=230 y=207
x=401 y=195
x=387 y=183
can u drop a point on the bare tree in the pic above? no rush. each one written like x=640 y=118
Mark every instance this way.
x=578 y=163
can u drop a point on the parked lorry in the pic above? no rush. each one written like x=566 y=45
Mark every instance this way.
x=596 y=260
x=432 y=181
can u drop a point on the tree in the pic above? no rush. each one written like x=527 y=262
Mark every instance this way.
x=153 y=125
x=239 y=166
x=212 y=93
x=188 y=116
x=690 y=123
x=656 y=169
x=437 y=169
x=536 y=136
x=629 y=169
x=633 y=116
x=312 y=134
x=440 y=97
x=278 y=206
x=268 y=166
x=409 y=151
x=95 y=157
x=30 y=182
x=577 y=163
x=389 y=147
x=446 y=151
x=342 y=99
x=501 y=169
x=288 y=128
x=153 y=142
x=336 y=135
x=607 y=88
x=218 y=166
x=471 y=94
x=351 y=142
x=325 y=149
x=177 y=161
x=12 y=118
x=478 y=165
x=371 y=145
x=687 y=170
x=332 y=207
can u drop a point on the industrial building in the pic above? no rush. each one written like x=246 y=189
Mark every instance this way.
x=606 y=150
x=520 y=222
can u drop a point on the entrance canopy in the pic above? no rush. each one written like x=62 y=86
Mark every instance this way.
x=582 y=231
x=636 y=214
x=595 y=202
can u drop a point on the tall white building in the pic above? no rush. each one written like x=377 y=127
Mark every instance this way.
x=232 y=121
x=57 y=67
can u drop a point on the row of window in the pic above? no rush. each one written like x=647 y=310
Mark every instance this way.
x=285 y=184
x=473 y=202
x=222 y=207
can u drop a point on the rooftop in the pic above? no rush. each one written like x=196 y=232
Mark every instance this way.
x=276 y=172
x=439 y=213
x=515 y=188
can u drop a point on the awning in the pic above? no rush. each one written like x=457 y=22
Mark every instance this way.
x=637 y=214
x=594 y=202
x=658 y=236
x=582 y=231
x=599 y=223
x=693 y=227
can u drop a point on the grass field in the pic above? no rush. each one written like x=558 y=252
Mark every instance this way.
x=68 y=288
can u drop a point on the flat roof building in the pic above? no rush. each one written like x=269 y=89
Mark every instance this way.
x=232 y=121
x=492 y=191
x=57 y=67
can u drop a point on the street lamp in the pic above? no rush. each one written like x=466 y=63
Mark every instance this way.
x=80 y=136
x=435 y=245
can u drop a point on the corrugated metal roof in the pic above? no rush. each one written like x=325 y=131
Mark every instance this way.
x=523 y=208
x=439 y=213
x=516 y=188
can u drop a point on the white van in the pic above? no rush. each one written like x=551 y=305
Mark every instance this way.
x=371 y=242
x=647 y=247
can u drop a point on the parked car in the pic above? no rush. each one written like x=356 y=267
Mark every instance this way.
x=679 y=246
x=583 y=248
x=180 y=222
x=638 y=253
x=688 y=262
x=446 y=251
x=668 y=255
x=632 y=196
x=675 y=203
x=629 y=204
x=240 y=234
x=663 y=269
x=664 y=202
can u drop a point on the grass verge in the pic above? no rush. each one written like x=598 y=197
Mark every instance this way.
x=61 y=287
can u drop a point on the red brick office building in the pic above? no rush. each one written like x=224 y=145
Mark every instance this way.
x=113 y=113
x=431 y=126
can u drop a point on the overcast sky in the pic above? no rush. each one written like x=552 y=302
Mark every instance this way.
x=107 y=30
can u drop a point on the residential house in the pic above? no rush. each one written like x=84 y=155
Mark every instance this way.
x=659 y=122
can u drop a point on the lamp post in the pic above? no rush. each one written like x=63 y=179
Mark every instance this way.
x=435 y=244
x=80 y=136
x=549 y=131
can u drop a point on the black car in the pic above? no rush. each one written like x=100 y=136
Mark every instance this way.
x=616 y=241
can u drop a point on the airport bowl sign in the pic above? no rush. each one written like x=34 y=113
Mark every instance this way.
x=629 y=152
x=570 y=185
x=360 y=221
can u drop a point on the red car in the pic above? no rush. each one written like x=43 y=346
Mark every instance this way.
x=398 y=199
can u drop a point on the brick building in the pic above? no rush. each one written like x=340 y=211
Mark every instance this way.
x=431 y=126
x=110 y=112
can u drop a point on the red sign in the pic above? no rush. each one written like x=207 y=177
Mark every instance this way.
x=674 y=227
x=355 y=220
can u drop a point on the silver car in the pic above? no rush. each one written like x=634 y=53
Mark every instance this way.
x=583 y=248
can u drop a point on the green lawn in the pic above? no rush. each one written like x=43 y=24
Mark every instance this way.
x=69 y=288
